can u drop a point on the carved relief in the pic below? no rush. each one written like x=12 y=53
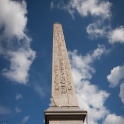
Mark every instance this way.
x=63 y=64
x=69 y=89
x=62 y=79
x=57 y=91
x=63 y=90
x=56 y=85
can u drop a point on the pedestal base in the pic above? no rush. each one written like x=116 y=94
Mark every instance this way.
x=65 y=116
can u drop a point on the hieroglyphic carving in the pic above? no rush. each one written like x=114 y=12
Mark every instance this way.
x=62 y=82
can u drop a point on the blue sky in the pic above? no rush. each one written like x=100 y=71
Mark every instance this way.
x=94 y=35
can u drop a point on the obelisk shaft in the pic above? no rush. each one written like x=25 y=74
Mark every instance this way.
x=63 y=91
x=64 y=107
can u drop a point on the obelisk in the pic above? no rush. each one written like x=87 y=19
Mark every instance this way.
x=64 y=107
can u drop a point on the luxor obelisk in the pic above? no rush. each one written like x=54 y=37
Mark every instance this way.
x=64 y=107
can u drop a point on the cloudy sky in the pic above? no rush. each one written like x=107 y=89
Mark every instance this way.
x=94 y=35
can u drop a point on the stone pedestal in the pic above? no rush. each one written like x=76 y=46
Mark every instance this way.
x=65 y=115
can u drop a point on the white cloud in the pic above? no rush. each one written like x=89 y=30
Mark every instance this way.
x=25 y=119
x=14 y=43
x=12 y=18
x=18 y=110
x=57 y=4
x=86 y=7
x=18 y=96
x=82 y=64
x=20 y=64
x=90 y=97
x=116 y=75
x=121 y=95
x=92 y=7
x=101 y=13
x=116 y=35
x=114 y=119
x=4 y=110
x=96 y=30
